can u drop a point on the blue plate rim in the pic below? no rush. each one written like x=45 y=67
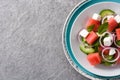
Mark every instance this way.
x=66 y=38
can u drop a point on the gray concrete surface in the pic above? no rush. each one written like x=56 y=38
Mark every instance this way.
x=30 y=40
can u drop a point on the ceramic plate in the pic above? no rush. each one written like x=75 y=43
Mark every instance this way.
x=77 y=20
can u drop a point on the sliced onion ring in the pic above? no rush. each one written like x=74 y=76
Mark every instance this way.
x=110 y=60
x=100 y=40
x=107 y=17
x=104 y=19
x=115 y=42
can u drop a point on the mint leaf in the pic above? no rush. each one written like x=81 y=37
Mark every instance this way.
x=110 y=57
x=103 y=28
x=107 y=63
x=90 y=28
x=83 y=39
x=118 y=42
x=96 y=45
x=119 y=25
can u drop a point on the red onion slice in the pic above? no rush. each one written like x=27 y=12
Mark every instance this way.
x=100 y=40
x=115 y=42
x=109 y=49
x=107 y=17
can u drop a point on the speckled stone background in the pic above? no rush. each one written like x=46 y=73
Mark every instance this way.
x=31 y=40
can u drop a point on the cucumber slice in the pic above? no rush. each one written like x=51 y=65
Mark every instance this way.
x=106 y=12
x=86 y=50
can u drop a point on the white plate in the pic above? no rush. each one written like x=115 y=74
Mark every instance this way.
x=77 y=20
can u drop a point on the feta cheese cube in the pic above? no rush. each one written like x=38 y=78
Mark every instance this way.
x=112 y=51
x=117 y=18
x=107 y=41
x=84 y=33
x=96 y=17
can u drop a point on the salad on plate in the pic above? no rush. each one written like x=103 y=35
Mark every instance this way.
x=100 y=38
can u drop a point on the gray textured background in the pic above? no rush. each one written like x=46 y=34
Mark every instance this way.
x=30 y=40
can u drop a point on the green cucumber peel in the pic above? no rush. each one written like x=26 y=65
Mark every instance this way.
x=86 y=50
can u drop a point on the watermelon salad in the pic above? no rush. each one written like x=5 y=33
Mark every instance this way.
x=100 y=38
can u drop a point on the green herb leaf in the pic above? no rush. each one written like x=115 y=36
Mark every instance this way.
x=118 y=42
x=119 y=25
x=90 y=28
x=107 y=63
x=83 y=39
x=110 y=57
x=96 y=49
x=96 y=43
x=102 y=28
